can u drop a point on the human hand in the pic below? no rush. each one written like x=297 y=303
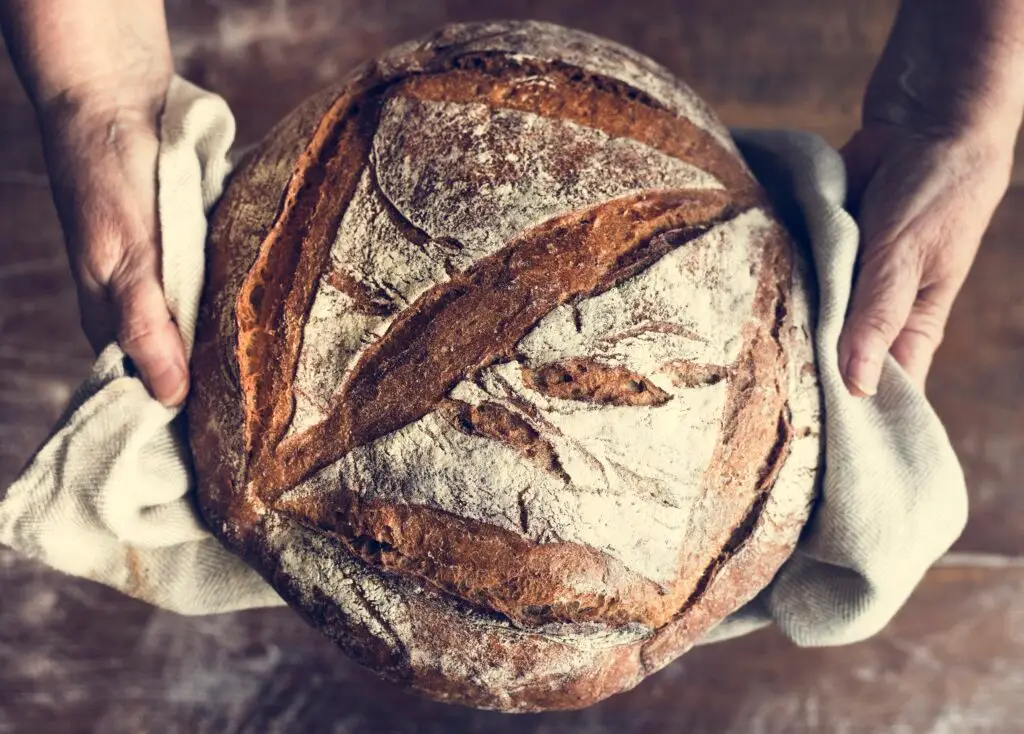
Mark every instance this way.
x=97 y=74
x=923 y=203
x=102 y=165
x=926 y=171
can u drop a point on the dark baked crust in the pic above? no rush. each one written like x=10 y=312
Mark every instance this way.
x=475 y=597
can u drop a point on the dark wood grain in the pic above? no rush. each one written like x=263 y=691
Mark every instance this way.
x=776 y=62
x=75 y=657
x=977 y=384
x=85 y=659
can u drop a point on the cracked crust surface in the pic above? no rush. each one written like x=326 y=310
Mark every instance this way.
x=500 y=375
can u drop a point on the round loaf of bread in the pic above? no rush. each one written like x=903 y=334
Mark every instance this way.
x=503 y=376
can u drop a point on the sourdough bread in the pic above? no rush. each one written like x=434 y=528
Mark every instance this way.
x=503 y=375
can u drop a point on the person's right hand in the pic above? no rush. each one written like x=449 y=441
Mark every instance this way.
x=102 y=164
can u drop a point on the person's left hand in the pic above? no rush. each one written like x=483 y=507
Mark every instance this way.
x=923 y=203
x=926 y=171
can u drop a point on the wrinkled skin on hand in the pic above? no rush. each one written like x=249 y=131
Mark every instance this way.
x=97 y=73
x=923 y=204
x=103 y=171
x=926 y=171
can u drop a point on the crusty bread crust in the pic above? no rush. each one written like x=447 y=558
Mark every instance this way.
x=492 y=600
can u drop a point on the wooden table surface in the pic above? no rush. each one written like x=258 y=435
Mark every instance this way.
x=76 y=657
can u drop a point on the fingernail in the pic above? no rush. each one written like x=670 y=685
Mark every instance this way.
x=170 y=386
x=862 y=375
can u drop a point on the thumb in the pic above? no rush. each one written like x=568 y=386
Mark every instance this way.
x=883 y=297
x=146 y=331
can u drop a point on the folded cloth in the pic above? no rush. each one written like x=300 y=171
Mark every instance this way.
x=109 y=496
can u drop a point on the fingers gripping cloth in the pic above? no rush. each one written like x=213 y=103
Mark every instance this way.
x=108 y=497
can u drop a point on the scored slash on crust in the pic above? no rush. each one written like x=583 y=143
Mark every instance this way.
x=429 y=347
x=281 y=283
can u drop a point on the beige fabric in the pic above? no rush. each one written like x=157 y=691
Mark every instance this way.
x=108 y=497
